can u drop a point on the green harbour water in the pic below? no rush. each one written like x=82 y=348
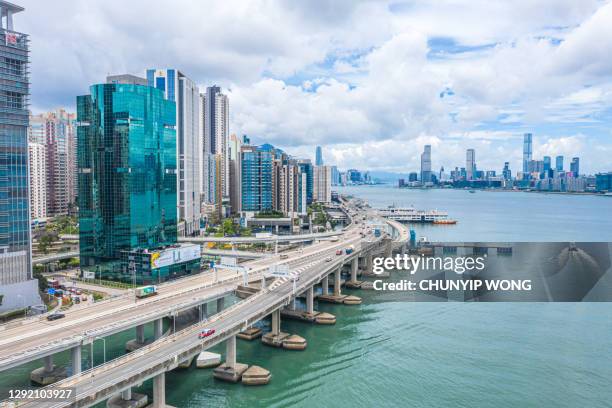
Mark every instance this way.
x=406 y=353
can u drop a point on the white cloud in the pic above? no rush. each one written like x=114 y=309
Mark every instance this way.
x=356 y=76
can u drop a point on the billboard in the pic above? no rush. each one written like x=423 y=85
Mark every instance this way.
x=172 y=256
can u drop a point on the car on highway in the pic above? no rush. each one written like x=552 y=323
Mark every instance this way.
x=55 y=316
x=284 y=256
x=339 y=252
x=328 y=259
x=205 y=333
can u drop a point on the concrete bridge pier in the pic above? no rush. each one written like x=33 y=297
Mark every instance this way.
x=48 y=374
x=220 y=304
x=353 y=282
x=158 y=328
x=325 y=286
x=159 y=391
x=203 y=310
x=337 y=281
x=231 y=370
x=139 y=341
x=277 y=338
x=338 y=297
x=75 y=359
x=310 y=300
x=309 y=315
x=127 y=399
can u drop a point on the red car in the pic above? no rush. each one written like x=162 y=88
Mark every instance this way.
x=339 y=252
x=205 y=333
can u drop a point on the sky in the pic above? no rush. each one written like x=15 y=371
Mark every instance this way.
x=370 y=81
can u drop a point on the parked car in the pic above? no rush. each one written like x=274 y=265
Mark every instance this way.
x=55 y=316
x=205 y=333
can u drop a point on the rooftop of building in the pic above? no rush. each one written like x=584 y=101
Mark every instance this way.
x=5 y=5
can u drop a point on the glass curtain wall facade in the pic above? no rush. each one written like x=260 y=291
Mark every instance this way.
x=256 y=180
x=18 y=289
x=127 y=175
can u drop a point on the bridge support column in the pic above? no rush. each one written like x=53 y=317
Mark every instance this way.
x=48 y=373
x=276 y=322
x=310 y=300
x=127 y=399
x=203 y=311
x=140 y=337
x=230 y=352
x=354 y=270
x=158 y=328
x=159 y=391
x=75 y=354
x=139 y=341
x=337 y=282
x=369 y=263
x=220 y=304
x=48 y=363
x=325 y=285
x=230 y=370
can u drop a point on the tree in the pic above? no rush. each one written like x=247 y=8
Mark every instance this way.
x=43 y=284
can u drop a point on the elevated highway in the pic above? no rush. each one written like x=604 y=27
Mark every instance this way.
x=36 y=338
x=165 y=354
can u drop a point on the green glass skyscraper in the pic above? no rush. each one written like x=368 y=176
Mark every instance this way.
x=127 y=174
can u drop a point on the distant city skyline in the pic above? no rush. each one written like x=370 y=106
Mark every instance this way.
x=452 y=76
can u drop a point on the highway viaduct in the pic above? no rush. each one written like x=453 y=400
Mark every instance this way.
x=312 y=265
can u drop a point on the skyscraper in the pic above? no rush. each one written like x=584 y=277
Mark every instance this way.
x=506 y=173
x=322 y=184
x=179 y=88
x=547 y=163
x=17 y=285
x=319 y=156
x=256 y=179
x=526 y=151
x=56 y=130
x=38 y=180
x=335 y=176
x=470 y=163
x=559 y=163
x=127 y=176
x=307 y=168
x=215 y=132
x=575 y=166
x=426 y=164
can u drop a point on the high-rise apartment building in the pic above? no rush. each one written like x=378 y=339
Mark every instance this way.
x=575 y=166
x=215 y=132
x=559 y=163
x=506 y=173
x=38 y=180
x=235 y=143
x=470 y=163
x=426 y=164
x=335 y=176
x=185 y=93
x=256 y=179
x=307 y=168
x=56 y=130
x=527 y=146
x=322 y=184
x=127 y=178
x=319 y=156
x=17 y=286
